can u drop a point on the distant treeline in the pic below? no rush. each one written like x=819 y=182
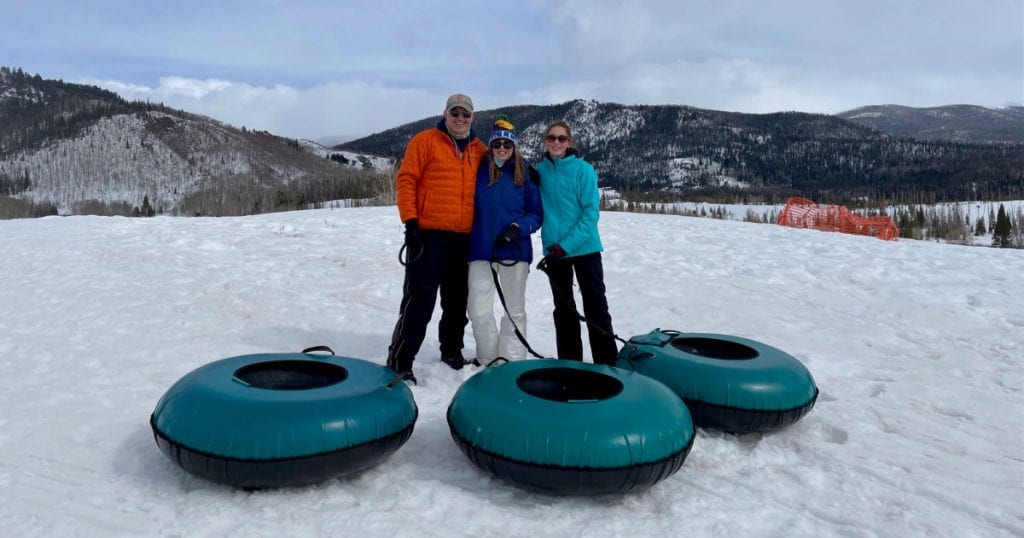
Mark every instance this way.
x=944 y=222
x=226 y=200
x=298 y=194
x=16 y=208
x=949 y=223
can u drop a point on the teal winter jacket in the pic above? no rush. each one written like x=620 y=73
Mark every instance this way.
x=568 y=191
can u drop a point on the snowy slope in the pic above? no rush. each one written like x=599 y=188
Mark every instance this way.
x=127 y=157
x=350 y=159
x=917 y=348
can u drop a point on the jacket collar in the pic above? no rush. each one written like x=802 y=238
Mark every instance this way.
x=486 y=162
x=570 y=152
x=444 y=129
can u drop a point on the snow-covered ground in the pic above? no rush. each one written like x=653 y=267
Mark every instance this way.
x=917 y=347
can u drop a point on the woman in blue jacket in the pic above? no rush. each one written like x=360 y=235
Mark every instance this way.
x=568 y=188
x=507 y=209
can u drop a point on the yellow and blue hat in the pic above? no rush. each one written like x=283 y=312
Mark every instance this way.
x=503 y=129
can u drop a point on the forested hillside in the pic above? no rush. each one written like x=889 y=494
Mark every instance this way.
x=954 y=123
x=74 y=149
x=685 y=153
x=71 y=148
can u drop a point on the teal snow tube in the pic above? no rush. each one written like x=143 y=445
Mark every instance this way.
x=728 y=383
x=572 y=428
x=285 y=419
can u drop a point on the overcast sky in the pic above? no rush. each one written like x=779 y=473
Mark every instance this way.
x=342 y=69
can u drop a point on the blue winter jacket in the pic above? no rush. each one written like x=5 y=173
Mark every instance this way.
x=568 y=190
x=496 y=207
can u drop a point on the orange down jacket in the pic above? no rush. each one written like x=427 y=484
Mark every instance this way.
x=436 y=181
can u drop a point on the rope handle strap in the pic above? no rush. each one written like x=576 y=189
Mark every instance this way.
x=318 y=348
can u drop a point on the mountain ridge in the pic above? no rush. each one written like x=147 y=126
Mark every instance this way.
x=682 y=152
x=954 y=123
x=70 y=148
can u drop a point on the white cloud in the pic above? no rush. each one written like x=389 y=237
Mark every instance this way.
x=308 y=69
x=809 y=56
x=191 y=88
x=746 y=85
x=335 y=109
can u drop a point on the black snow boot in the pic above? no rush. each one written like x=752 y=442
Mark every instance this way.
x=454 y=361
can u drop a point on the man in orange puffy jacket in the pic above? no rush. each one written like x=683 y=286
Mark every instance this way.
x=435 y=188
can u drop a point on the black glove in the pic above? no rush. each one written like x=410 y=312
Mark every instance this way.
x=412 y=234
x=556 y=252
x=510 y=236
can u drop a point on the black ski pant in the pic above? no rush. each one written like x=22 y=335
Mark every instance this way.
x=590 y=275
x=443 y=265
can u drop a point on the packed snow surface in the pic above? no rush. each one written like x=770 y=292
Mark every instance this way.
x=917 y=348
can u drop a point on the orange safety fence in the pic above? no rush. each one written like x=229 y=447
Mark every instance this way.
x=803 y=213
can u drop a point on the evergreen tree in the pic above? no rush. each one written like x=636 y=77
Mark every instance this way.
x=1001 y=231
x=979 y=227
x=147 y=210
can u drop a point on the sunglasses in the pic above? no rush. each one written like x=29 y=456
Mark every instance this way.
x=560 y=138
x=502 y=144
x=459 y=113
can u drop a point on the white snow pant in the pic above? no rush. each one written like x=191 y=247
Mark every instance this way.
x=491 y=344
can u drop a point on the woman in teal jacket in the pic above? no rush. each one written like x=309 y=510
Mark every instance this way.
x=571 y=200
